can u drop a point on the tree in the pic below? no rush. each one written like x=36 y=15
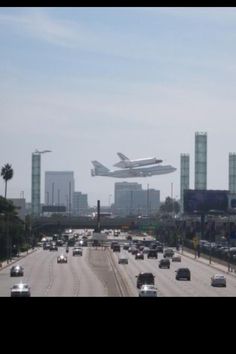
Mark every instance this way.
x=6 y=206
x=11 y=228
x=7 y=174
x=170 y=206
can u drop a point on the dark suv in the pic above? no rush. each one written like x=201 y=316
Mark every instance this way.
x=164 y=263
x=183 y=273
x=168 y=253
x=144 y=278
x=152 y=254
x=116 y=248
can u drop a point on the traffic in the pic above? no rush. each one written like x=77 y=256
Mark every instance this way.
x=73 y=264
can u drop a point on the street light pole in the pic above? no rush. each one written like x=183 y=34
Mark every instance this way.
x=7 y=238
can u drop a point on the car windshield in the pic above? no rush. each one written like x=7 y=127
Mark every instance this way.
x=183 y=270
x=146 y=276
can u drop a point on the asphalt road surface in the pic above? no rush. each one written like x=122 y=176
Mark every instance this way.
x=79 y=277
x=97 y=273
x=165 y=281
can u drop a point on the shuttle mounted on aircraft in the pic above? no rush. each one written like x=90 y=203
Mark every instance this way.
x=125 y=162
x=101 y=170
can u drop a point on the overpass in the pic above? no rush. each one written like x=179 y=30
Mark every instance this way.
x=65 y=222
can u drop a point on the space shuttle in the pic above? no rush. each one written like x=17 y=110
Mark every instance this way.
x=125 y=162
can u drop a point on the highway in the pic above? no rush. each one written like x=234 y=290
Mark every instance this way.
x=89 y=275
x=165 y=280
x=97 y=273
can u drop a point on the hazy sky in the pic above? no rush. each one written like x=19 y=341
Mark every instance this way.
x=89 y=82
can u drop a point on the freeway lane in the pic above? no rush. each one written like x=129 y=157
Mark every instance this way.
x=47 y=278
x=165 y=278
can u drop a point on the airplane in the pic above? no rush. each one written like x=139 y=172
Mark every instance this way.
x=101 y=170
x=127 y=163
x=42 y=152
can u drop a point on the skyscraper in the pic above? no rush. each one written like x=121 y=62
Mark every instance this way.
x=200 y=161
x=80 y=203
x=35 y=184
x=184 y=176
x=232 y=172
x=59 y=188
x=131 y=199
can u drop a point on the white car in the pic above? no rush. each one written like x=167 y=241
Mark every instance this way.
x=20 y=290
x=218 y=280
x=123 y=259
x=148 y=291
x=61 y=259
x=176 y=258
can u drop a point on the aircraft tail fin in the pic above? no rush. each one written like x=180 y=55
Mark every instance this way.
x=122 y=156
x=98 y=167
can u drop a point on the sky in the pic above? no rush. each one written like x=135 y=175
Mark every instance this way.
x=87 y=83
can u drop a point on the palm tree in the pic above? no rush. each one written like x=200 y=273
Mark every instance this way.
x=7 y=174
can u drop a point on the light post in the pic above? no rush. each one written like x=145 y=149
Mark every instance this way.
x=228 y=253
x=109 y=200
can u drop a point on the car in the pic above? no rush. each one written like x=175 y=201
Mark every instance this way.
x=116 y=248
x=129 y=238
x=20 y=290
x=139 y=255
x=176 y=258
x=17 y=271
x=83 y=243
x=59 y=243
x=218 y=280
x=168 y=253
x=146 y=249
x=164 y=263
x=145 y=279
x=77 y=251
x=140 y=247
x=114 y=243
x=153 y=246
x=159 y=249
x=61 y=259
x=126 y=246
x=53 y=248
x=148 y=291
x=134 y=251
x=152 y=254
x=183 y=273
x=123 y=259
x=46 y=245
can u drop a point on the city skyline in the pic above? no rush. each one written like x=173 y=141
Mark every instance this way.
x=88 y=82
